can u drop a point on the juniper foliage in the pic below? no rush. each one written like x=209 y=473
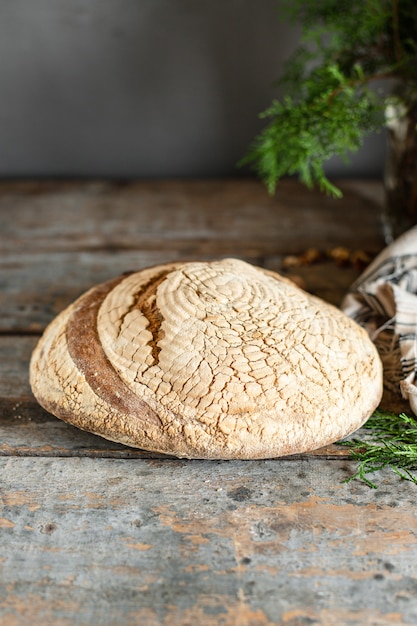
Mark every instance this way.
x=331 y=102
x=390 y=441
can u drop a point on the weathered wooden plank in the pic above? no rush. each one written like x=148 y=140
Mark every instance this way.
x=14 y=365
x=35 y=287
x=105 y=534
x=28 y=430
x=58 y=239
x=221 y=544
x=325 y=279
x=202 y=217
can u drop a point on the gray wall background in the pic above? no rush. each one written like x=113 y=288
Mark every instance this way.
x=141 y=88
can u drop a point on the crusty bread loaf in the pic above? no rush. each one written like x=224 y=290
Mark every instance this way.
x=218 y=360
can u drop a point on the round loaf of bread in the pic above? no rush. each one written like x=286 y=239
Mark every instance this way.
x=208 y=360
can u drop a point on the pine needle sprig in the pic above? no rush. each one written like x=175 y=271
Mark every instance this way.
x=332 y=96
x=390 y=441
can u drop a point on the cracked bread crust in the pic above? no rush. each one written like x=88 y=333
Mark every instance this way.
x=217 y=360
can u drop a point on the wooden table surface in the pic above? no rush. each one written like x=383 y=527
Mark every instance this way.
x=94 y=533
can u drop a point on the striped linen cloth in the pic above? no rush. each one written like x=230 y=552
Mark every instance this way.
x=384 y=301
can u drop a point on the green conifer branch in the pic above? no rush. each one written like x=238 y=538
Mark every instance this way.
x=390 y=440
x=329 y=106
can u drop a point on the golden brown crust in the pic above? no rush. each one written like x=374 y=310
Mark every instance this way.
x=208 y=360
x=86 y=351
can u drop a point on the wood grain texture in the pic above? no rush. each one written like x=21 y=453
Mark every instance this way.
x=59 y=239
x=36 y=286
x=221 y=544
x=92 y=532
x=201 y=217
x=26 y=429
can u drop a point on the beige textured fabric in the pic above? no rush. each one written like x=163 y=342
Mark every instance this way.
x=384 y=301
x=208 y=360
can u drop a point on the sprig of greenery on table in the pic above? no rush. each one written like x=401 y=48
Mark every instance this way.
x=390 y=441
x=330 y=105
